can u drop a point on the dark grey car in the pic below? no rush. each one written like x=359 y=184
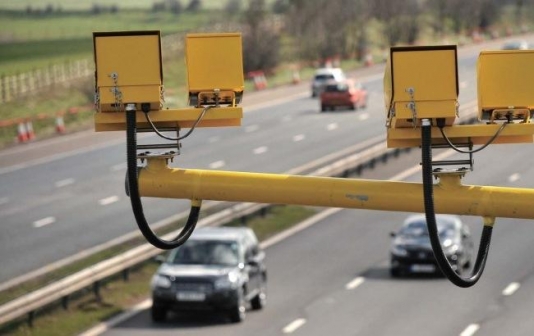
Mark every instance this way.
x=217 y=269
x=411 y=251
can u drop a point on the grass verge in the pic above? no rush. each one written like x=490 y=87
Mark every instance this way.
x=116 y=294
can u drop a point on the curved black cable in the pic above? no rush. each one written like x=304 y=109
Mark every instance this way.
x=135 y=198
x=475 y=150
x=428 y=191
x=161 y=135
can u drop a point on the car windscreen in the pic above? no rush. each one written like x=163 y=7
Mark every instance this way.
x=337 y=88
x=324 y=77
x=207 y=252
x=419 y=229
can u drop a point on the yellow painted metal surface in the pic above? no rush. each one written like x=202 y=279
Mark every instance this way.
x=478 y=134
x=504 y=80
x=426 y=76
x=214 y=61
x=182 y=118
x=128 y=68
x=158 y=180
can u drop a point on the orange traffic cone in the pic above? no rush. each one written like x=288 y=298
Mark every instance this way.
x=60 y=124
x=369 y=60
x=29 y=130
x=296 y=77
x=22 y=133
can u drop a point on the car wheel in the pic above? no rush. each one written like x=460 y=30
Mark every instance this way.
x=354 y=106
x=260 y=300
x=159 y=313
x=323 y=108
x=238 y=312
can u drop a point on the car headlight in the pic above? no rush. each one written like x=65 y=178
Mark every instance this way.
x=160 y=281
x=399 y=251
x=449 y=247
x=227 y=281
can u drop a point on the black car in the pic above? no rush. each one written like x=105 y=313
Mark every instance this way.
x=219 y=269
x=411 y=251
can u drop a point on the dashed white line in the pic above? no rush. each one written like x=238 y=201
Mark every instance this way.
x=260 y=150
x=4 y=200
x=363 y=116
x=332 y=126
x=43 y=222
x=294 y=326
x=64 y=183
x=470 y=330
x=118 y=167
x=463 y=84
x=217 y=164
x=514 y=177
x=109 y=200
x=251 y=128
x=287 y=118
x=355 y=283
x=511 y=288
x=298 y=137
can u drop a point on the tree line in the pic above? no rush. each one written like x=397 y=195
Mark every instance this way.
x=312 y=30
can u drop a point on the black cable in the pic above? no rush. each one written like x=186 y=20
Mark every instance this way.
x=428 y=190
x=161 y=135
x=475 y=150
x=135 y=198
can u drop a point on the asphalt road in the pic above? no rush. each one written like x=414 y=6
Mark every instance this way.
x=332 y=278
x=57 y=199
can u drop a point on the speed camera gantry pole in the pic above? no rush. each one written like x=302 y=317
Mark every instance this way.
x=421 y=98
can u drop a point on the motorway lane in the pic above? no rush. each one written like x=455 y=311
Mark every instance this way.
x=57 y=208
x=60 y=207
x=332 y=278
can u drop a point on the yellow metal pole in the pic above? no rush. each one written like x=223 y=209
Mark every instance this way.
x=450 y=196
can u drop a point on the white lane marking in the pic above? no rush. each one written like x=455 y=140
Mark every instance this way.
x=260 y=150
x=43 y=222
x=287 y=118
x=118 y=167
x=354 y=283
x=64 y=183
x=470 y=330
x=331 y=127
x=514 y=177
x=463 y=84
x=294 y=326
x=511 y=288
x=363 y=116
x=298 y=137
x=251 y=128
x=214 y=139
x=4 y=200
x=109 y=200
x=217 y=164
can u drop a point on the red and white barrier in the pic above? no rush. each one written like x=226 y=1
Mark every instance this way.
x=22 y=133
x=29 y=130
x=60 y=124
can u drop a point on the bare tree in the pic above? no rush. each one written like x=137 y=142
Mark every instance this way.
x=322 y=28
x=261 y=43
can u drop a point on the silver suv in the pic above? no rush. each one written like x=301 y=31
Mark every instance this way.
x=323 y=76
x=219 y=269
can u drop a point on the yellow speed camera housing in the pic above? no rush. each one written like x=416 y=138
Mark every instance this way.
x=505 y=89
x=421 y=83
x=128 y=70
x=214 y=69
